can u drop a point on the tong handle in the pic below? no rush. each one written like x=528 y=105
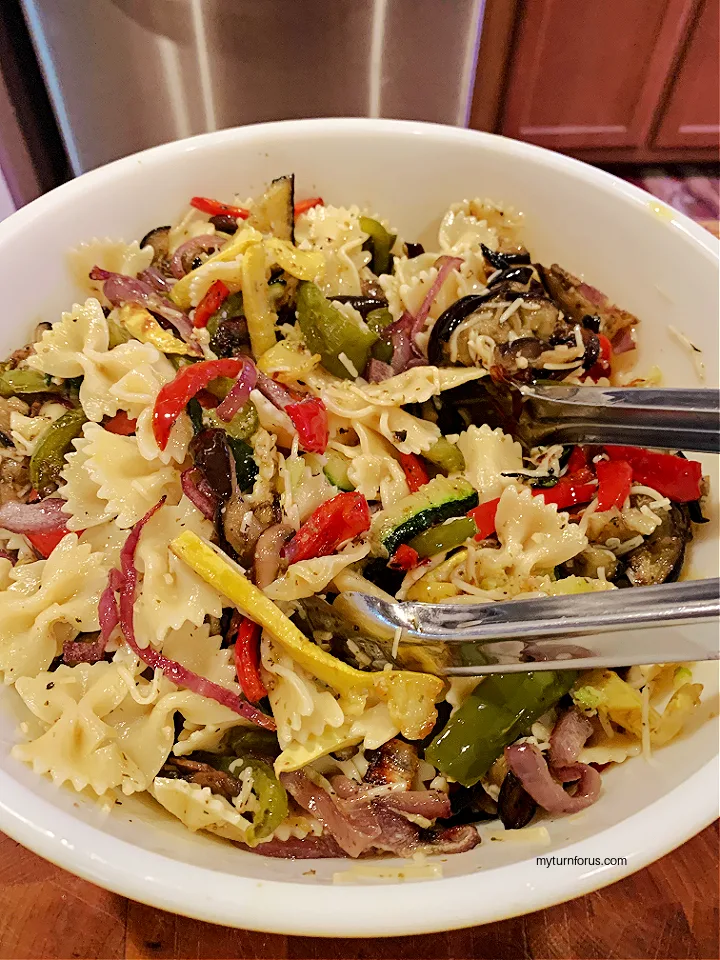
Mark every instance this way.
x=648 y=417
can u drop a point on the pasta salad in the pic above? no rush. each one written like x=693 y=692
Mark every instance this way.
x=260 y=408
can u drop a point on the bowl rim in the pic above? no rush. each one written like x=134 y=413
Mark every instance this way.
x=249 y=903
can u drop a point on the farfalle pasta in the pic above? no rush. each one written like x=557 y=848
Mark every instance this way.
x=261 y=408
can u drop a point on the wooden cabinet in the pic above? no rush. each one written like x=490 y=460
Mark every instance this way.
x=602 y=79
x=691 y=117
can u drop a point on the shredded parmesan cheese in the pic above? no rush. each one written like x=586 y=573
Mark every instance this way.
x=348 y=364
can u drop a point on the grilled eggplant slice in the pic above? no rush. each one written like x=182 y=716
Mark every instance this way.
x=660 y=558
x=578 y=299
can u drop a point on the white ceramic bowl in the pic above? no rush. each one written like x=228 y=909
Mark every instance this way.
x=647 y=258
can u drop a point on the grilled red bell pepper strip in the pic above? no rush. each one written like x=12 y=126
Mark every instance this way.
x=120 y=424
x=302 y=206
x=614 y=482
x=247 y=659
x=190 y=380
x=415 y=473
x=217 y=209
x=309 y=418
x=484 y=517
x=404 y=558
x=216 y=295
x=46 y=541
x=674 y=477
x=577 y=466
x=603 y=365
x=335 y=521
x=568 y=492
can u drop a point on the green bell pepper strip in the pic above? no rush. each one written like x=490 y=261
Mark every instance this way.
x=49 y=457
x=445 y=536
x=16 y=381
x=243 y=424
x=271 y=795
x=377 y=320
x=502 y=708
x=330 y=333
x=253 y=742
x=446 y=456
x=379 y=243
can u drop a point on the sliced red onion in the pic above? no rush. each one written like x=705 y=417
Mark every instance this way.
x=4 y=555
x=569 y=736
x=377 y=371
x=44 y=516
x=301 y=848
x=624 y=341
x=199 y=492
x=157 y=280
x=174 y=671
x=107 y=607
x=352 y=835
x=529 y=766
x=445 y=265
x=187 y=251
x=120 y=289
x=238 y=396
x=276 y=393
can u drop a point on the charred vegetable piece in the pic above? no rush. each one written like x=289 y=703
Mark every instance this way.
x=246 y=468
x=16 y=381
x=414 y=250
x=272 y=799
x=339 y=519
x=512 y=275
x=216 y=295
x=224 y=223
x=274 y=212
x=231 y=340
x=446 y=456
x=211 y=454
x=379 y=243
x=516 y=807
x=501 y=261
x=500 y=709
x=446 y=536
x=366 y=306
x=174 y=396
x=158 y=239
x=243 y=424
x=435 y=502
x=216 y=208
x=395 y=763
x=660 y=558
x=228 y=310
x=194 y=771
x=578 y=299
x=249 y=742
x=676 y=478
x=49 y=457
x=450 y=320
x=330 y=333
x=259 y=311
x=247 y=659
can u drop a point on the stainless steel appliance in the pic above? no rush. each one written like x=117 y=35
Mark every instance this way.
x=126 y=74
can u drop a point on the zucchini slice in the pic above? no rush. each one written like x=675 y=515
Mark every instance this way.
x=274 y=212
x=336 y=470
x=433 y=503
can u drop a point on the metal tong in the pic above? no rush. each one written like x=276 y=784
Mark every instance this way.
x=469 y=639
x=644 y=417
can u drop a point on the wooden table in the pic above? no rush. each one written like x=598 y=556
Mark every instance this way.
x=669 y=910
